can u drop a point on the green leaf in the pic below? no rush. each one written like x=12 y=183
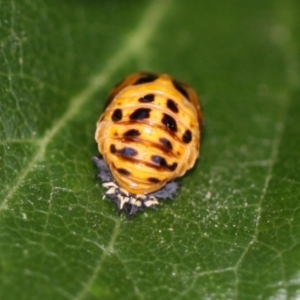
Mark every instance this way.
x=233 y=231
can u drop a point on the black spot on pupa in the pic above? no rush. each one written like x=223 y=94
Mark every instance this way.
x=169 y=122
x=117 y=115
x=113 y=148
x=179 y=87
x=160 y=161
x=147 y=98
x=125 y=152
x=140 y=114
x=146 y=78
x=166 y=143
x=187 y=136
x=132 y=133
x=172 y=106
x=123 y=171
x=153 y=180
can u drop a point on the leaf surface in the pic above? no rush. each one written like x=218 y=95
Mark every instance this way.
x=233 y=231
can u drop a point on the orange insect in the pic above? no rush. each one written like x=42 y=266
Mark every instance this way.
x=148 y=135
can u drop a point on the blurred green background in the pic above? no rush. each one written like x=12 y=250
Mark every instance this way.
x=233 y=230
